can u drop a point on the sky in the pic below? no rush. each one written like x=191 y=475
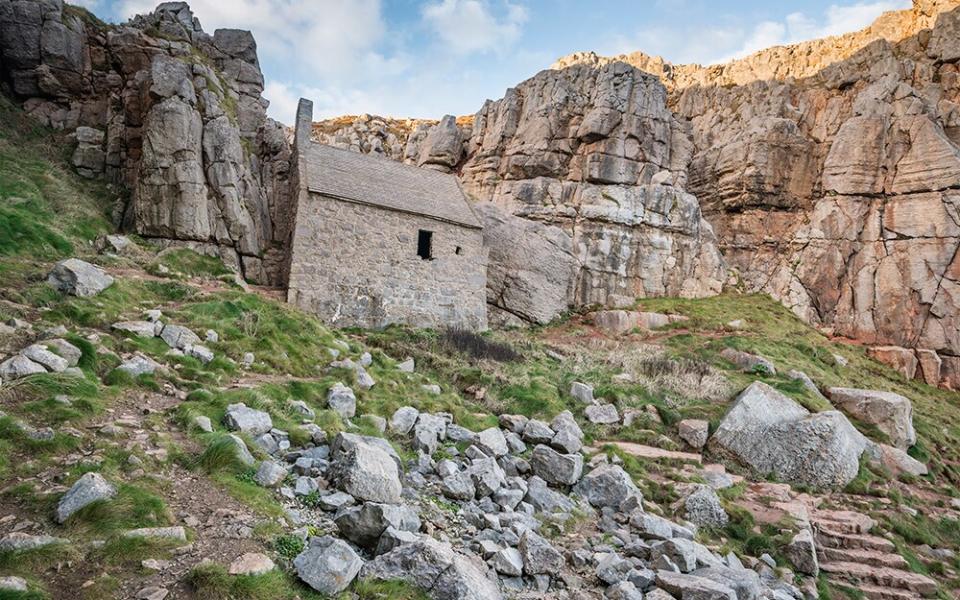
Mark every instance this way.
x=428 y=58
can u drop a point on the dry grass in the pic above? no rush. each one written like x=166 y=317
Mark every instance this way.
x=682 y=378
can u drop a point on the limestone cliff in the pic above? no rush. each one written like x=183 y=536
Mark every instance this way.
x=172 y=114
x=830 y=171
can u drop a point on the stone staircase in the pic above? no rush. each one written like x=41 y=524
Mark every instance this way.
x=850 y=556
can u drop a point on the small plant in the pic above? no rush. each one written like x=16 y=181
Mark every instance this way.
x=288 y=546
x=312 y=499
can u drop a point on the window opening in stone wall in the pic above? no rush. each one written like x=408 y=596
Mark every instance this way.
x=425 y=244
x=458 y=251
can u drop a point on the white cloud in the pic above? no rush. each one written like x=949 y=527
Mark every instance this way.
x=320 y=37
x=87 y=4
x=467 y=26
x=724 y=43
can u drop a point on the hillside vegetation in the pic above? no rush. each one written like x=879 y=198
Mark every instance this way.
x=143 y=433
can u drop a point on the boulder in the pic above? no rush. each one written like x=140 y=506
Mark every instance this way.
x=251 y=563
x=539 y=556
x=772 y=434
x=802 y=553
x=702 y=508
x=240 y=450
x=19 y=541
x=79 y=278
x=12 y=583
x=896 y=460
x=178 y=337
x=569 y=436
x=748 y=362
x=492 y=442
x=39 y=354
x=363 y=525
x=891 y=413
x=607 y=486
x=487 y=476
x=537 y=432
x=556 y=468
x=145 y=329
x=436 y=569
x=508 y=561
x=19 y=366
x=459 y=486
x=138 y=365
x=342 y=401
x=602 y=414
x=582 y=392
x=270 y=474
x=367 y=472
x=694 y=432
x=404 y=419
x=428 y=432
x=328 y=565
x=90 y=488
x=240 y=417
x=545 y=500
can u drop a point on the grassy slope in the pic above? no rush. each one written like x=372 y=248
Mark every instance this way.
x=47 y=213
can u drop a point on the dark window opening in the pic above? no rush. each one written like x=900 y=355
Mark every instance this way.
x=459 y=250
x=425 y=244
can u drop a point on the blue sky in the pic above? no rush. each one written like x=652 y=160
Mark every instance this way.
x=427 y=58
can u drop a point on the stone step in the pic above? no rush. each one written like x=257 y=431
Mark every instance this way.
x=827 y=538
x=874 y=592
x=844 y=521
x=867 y=557
x=883 y=577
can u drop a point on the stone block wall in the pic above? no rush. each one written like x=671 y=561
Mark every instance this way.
x=357 y=265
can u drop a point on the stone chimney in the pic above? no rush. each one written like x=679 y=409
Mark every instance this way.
x=304 y=124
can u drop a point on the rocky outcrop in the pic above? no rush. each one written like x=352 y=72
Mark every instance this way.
x=173 y=114
x=595 y=155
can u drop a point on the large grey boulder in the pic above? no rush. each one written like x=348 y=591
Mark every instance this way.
x=539 y=556
x=367 y=472
x=404 y=419
x=702 y=507
x=39 y=354
x=328 y=565
x=602 y=414
x=428 y=432
x=748 y=362
x=556 y=468
x=682 y=585
x=179 y=337
x=138 y=365
x=240 y=417
x=802 y=553
x=270 y=474
x=492 y=442
x=435 y=568
x=607 y=486
x=240 y=450
x=772 y=434
x=363 y=525
x=890 y=412
x=90 y=488
x=78 y=278
x=487 y=476
x=19 y=366
x=341 y=400
x=545 y=500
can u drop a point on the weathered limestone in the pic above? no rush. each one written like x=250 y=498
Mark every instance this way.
x=90 y=488
x=772 y=434
x=891 y=413
x=78 y=278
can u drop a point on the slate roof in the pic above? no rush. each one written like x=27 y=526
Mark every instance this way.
x=386 y=183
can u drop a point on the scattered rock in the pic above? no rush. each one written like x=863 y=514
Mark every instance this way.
x=694 y=432
x=178 y=337
x=749 y=362
x=138 y=365
x=342 y=401
x=270 y=474
x=773 y=434
x=702 y=507
x=328 y=565
x=78 y=278
x=252 y=563
x=90 y=488
x=607 y=486
x=240 y=417
x=176 y=534
x=602 y=414
x=802 y=553
x=891 y=413
x=13 y=584
x=556 y=468
x=582 y=392
x=19 y=366
x=404 y=419
x=145 y=329
x=539 y=556
x=369 y=473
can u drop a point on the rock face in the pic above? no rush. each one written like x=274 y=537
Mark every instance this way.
x=891 y=413
x=828 y=170
x=772 y=434
x=173 y=114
